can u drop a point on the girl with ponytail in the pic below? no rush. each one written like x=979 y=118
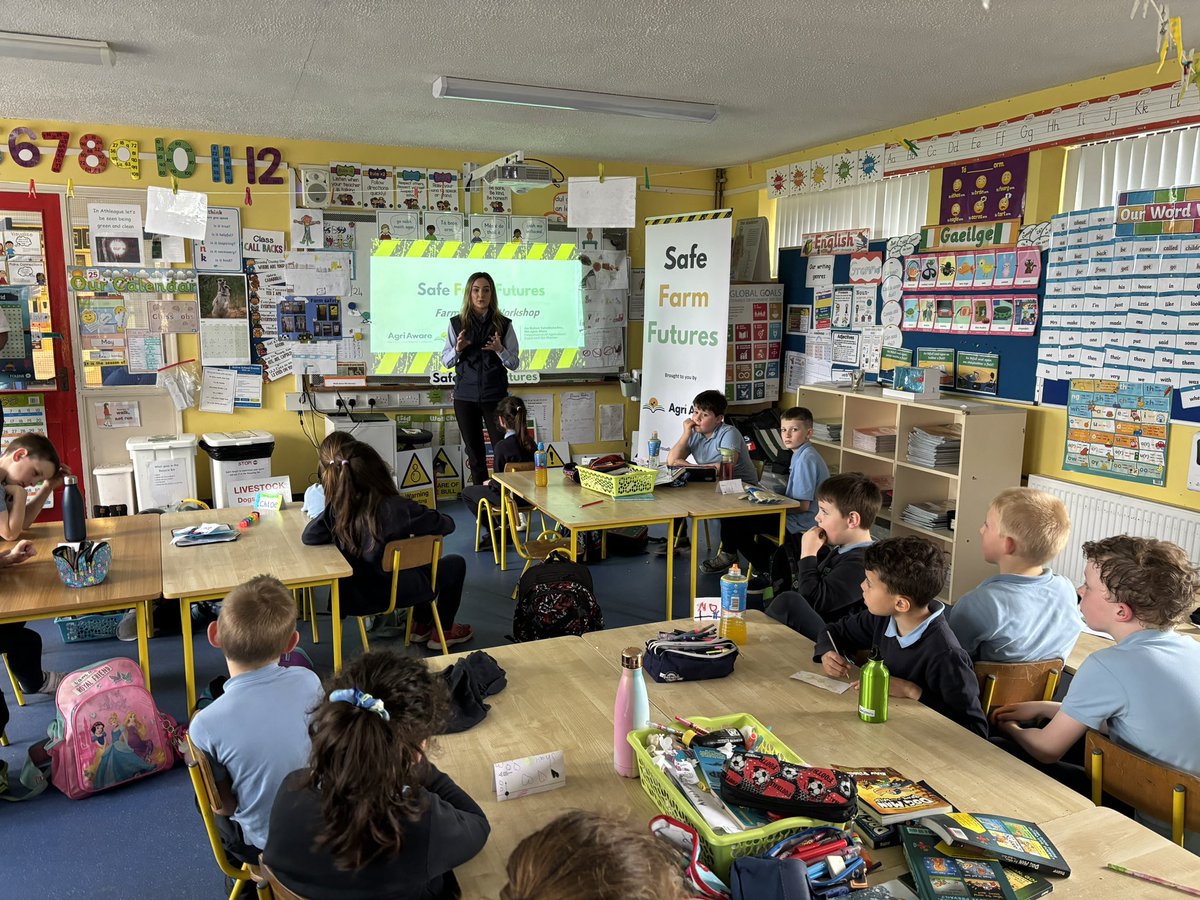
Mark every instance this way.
x=371 y=817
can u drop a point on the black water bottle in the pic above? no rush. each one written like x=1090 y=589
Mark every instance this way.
x=74 y=521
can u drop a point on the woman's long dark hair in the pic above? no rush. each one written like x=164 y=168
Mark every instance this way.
x=513 y=415
x=357 y=482
x=367 y=769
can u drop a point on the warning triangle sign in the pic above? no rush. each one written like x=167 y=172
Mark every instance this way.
x=553 y=460
x=415 y=475
x=442 y=467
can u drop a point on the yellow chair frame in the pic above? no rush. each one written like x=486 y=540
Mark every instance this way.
x=1149 y=786
x=399 y=556
x=208 y=799
x=1003 y=683
x=20 y=695
x=486 y=508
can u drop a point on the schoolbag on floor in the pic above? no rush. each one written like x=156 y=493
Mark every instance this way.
x=785 y=567
x=556 y=598
x=108 y=730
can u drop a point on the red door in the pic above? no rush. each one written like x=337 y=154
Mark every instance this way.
x=55 y=376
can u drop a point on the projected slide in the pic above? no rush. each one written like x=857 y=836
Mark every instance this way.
x=417 y=286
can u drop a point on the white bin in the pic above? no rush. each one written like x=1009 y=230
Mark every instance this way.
x=164 y=468
x=114 y=487
x=236 y=455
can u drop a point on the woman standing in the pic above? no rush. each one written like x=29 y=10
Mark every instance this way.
x=481 y=346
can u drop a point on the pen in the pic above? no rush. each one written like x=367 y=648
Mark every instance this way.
x=586 y=505
x=845 y=658
x=674 y=732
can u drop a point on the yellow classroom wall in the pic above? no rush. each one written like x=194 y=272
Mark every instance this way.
x=1046 y=429
x=294 y=453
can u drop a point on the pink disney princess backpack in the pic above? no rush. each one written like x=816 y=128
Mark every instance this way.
x=108 y=730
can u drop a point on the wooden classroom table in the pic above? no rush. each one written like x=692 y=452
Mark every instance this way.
x=33 y=590
x=1089 y=643
x=559 y=696
x=824 y=728
x=269 y=547
x=578 y=510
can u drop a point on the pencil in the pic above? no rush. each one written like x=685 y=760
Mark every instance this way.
x=586 y=505
x=1154 y=879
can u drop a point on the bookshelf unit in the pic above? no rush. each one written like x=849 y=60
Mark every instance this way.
x=993 y=444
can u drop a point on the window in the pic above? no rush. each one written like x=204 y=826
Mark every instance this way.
x=1097 y=173
x=891 y=207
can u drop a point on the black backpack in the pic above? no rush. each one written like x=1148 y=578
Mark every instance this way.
x=785 y=567
x=556 y=598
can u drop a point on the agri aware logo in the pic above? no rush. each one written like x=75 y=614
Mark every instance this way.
x=652 y=405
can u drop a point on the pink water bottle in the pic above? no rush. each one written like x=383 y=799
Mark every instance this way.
x=632 y=710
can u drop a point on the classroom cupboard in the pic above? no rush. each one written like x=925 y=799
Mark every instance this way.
x=993 y=446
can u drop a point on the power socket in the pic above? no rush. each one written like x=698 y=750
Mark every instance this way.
x=380 y=401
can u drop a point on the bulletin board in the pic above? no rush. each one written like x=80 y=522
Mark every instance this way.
x=1018 y=354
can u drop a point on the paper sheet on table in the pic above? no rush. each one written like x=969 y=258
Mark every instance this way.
x=824 y=682
x=217 y=390
x=612 y=421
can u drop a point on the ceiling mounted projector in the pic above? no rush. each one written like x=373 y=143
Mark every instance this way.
x=511 y=172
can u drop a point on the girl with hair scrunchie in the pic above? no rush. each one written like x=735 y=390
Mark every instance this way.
x=371 y=817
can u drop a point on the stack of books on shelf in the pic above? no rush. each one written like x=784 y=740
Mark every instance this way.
x=827 y=430
x=934 y=514
x=878 y=439
x=935 y=446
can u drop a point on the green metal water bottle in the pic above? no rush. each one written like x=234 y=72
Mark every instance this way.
x=873 y=690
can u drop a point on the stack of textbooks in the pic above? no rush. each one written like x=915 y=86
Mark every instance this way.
x=934 y=514
x=885 y=799
x=936 y=446
x=877 y=439
x=827 y=430
x=964 y=855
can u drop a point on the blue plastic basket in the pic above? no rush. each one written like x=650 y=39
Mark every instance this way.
x=92 y=627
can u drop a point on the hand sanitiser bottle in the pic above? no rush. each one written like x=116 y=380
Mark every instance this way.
x=653 y=446
x=539 y=465
x=873 y=690
x=631 y=711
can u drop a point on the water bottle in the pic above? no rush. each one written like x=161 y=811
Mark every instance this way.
x=74 y=520
x=653 y=446
x=733 y=605
x=728 y=460
x=873 y=690
x=539 y=465
x=631 y=711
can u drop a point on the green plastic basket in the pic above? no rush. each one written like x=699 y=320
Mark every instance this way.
x=637 y=481
x=717 y=851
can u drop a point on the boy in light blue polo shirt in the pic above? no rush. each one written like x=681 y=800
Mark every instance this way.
x=705 y=434
x=1145 y=690
x=1026 y=613
x=256 y=732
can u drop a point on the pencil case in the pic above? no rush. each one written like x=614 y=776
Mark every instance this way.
x=689 y=656
x=761 y=781
x=84 y=566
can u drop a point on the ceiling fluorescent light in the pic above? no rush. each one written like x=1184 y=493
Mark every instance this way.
x=561 y=98
x=56 y=49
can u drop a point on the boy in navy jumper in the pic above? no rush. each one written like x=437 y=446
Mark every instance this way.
x=905 y=623
x=829 y=574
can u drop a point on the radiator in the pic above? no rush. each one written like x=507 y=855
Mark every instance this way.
x=1100 y=514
